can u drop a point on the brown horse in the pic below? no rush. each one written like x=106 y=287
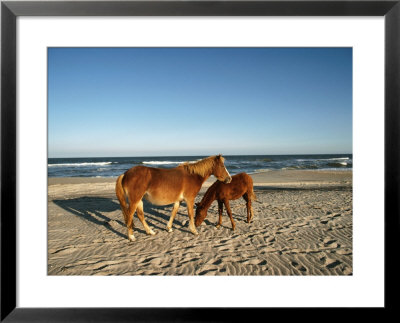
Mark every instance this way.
x=241 y=185
x=166 y=186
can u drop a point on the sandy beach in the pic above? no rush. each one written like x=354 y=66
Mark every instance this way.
x=302 y=225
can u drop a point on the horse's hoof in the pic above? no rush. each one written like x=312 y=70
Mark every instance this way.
x=151 y=232
x=217 y=226
x=195 y=233
x=131 y=237
x=169 y=230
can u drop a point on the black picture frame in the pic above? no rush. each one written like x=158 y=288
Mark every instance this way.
x=10 y=10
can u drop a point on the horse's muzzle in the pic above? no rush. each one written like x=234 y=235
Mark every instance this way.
x=228 y=180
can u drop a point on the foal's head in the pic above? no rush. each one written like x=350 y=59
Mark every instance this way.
x=220 y=171
x=201 y=211
x=201 y=214
x=204 y=204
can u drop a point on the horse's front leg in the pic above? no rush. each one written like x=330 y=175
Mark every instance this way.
x=220 y=210
x=228 y=210
x=172 y=217
x=192 y=227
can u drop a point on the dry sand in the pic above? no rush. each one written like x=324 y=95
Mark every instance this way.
x=302 y=225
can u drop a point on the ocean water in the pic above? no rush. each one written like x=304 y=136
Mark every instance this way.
x=114 y=166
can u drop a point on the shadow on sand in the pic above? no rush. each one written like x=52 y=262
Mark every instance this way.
x=93 y=209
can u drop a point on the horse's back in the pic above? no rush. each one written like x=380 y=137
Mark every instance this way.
x=244 y=178
x=248 y=180
x=158 y=185
x=235 y=189
x=171 y=177
x=136 y=172
x=153 y=175
x=241 y=180
x=137 y=177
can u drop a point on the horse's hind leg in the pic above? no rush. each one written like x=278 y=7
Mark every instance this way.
x=140 y=215
x=172 y=217
x=129 y=221
x=228 y=210
x=190 y=204
x=251 y=212
x=220 y=210
x=248 y=206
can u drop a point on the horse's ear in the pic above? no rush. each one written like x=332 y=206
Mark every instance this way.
x=219 y=156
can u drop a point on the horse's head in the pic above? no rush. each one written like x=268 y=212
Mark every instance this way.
x=201 y=214
x=220 y=171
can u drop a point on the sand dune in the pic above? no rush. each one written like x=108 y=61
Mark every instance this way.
x=302 y=225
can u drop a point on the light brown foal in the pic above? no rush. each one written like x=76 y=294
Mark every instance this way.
x=240 y=186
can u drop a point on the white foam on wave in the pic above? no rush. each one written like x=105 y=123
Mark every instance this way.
x=321 y=159
x=160 y=162
x=79 y=164
x=262 y=170
x=339 y=158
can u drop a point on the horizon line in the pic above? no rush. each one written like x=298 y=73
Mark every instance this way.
x=201 y=155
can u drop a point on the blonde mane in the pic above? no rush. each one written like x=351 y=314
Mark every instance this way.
x=202 y=167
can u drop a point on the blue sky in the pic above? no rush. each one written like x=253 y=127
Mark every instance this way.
x=199 y=101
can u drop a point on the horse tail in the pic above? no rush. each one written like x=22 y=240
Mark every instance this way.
x=250 y=188
x=120 y=191
x=253 y=196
